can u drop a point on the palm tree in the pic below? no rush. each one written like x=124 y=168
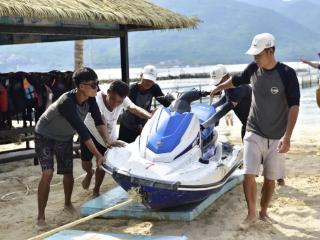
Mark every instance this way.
x=78 y=54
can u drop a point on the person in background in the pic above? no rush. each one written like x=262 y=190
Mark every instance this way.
x=111 y=103
x=141 y=94
x=311 y=64
x=54 y=136
x=229 y=119
x=273 y=115
x=237 y=99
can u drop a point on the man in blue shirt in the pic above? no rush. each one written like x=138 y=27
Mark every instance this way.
x=237 y=99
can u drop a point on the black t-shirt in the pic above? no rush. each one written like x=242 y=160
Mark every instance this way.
x=143 y=100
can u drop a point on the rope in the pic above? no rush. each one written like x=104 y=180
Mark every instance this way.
x=6 y=197
x=134 y=196
x=81 y=220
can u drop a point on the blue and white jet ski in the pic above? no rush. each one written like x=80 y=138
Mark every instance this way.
x=173 y=162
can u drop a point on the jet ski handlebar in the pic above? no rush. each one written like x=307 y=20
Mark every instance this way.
x=183 y=102
x=193 y=95
x=205 y=93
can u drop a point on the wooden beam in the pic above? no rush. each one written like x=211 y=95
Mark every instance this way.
x=124 y=52
x=74 y=31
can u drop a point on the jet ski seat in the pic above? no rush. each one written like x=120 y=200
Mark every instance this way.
x=202 y=111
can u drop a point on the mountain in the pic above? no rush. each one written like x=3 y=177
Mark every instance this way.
x=305 y=12
x=224 y=35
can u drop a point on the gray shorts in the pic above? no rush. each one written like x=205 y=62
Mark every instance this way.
x=262 y=151
x=46 y=148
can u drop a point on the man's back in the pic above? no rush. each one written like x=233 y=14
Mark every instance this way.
x=242 y=96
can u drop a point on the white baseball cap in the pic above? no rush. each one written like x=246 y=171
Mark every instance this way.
x=150 y=73
x=261 y=42
x=218 y=72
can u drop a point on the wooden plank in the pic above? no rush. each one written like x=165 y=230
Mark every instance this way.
x=17 y=155
x=23 y=154
x=59 y=31
x=139 y=211
x=16 y=131
x=84 y=235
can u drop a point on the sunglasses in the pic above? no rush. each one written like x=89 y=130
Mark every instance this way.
x=93 y=85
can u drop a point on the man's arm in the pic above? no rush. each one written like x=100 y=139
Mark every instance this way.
x=103 y=132
x=220 y=102
x=311 y=64
x=159 y=96
x=218 y=115
x=138 y=111
x=284 y=143
x=99 y=120
x=226 y=85
x=234 y=81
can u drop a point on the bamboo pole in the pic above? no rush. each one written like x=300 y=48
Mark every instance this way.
x=81 y=220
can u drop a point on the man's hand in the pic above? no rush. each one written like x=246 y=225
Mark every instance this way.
x=117 y=143
x=284 y=145
x=99 y=160
x=215 y=91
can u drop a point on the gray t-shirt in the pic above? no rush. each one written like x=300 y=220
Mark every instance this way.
x=273 y=92
x=65 y=117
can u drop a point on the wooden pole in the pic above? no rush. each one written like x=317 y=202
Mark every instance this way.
x=81 y=220
x=124 y=54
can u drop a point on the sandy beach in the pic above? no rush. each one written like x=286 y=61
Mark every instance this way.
x=295 y=206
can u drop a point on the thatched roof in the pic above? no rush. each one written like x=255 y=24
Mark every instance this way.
x=127 y=12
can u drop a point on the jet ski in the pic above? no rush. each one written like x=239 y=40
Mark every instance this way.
x=174 y=161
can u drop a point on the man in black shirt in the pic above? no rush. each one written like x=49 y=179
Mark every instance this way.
x=141 y=94
x=273 y=115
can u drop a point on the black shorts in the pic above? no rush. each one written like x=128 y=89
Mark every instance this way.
x=127 y=135
x=46 y=148
x=86 y=155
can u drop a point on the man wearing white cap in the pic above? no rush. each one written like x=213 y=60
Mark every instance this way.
x=111 y=102
x=141 y=94
x=273 y=114
x=238 y=99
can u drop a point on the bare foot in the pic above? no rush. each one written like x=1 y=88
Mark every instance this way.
x=87 y=180
x=41 y=224
x=266 y=218
x=70 y=209
x=95 y=193
x=247 y=223
x=281 y=182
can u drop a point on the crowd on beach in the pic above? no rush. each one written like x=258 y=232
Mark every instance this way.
x=265 y=97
